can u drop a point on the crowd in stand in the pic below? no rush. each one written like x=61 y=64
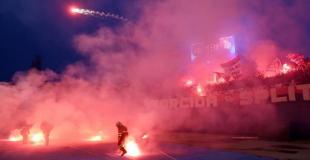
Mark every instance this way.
x=300 y=75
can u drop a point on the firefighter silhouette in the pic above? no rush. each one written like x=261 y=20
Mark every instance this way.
x=122 y=135
x=25 y=131
x=46 y=129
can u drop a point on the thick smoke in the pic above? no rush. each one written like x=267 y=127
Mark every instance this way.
x=144 y=60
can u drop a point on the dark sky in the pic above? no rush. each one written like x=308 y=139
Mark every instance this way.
x=45 y=28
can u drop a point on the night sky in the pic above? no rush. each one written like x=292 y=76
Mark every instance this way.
x=45 y=28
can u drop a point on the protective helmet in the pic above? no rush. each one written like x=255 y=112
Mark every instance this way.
x=118 y=123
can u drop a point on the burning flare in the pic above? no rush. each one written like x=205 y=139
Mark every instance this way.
x=75 y=10
x=88 y=12
x=286 y=68
x=132 y=148
x=37 y=138
x=145 y=136
x=200 y=90
x=15 y=136
x=189 y=83
x=96 y=138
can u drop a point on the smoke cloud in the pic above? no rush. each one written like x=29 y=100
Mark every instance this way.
x=145 y=59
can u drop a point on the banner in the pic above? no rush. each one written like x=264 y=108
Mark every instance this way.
x=242 y=97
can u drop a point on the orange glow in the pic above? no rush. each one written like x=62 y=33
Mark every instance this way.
x=15 y=136
x=132 y=148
